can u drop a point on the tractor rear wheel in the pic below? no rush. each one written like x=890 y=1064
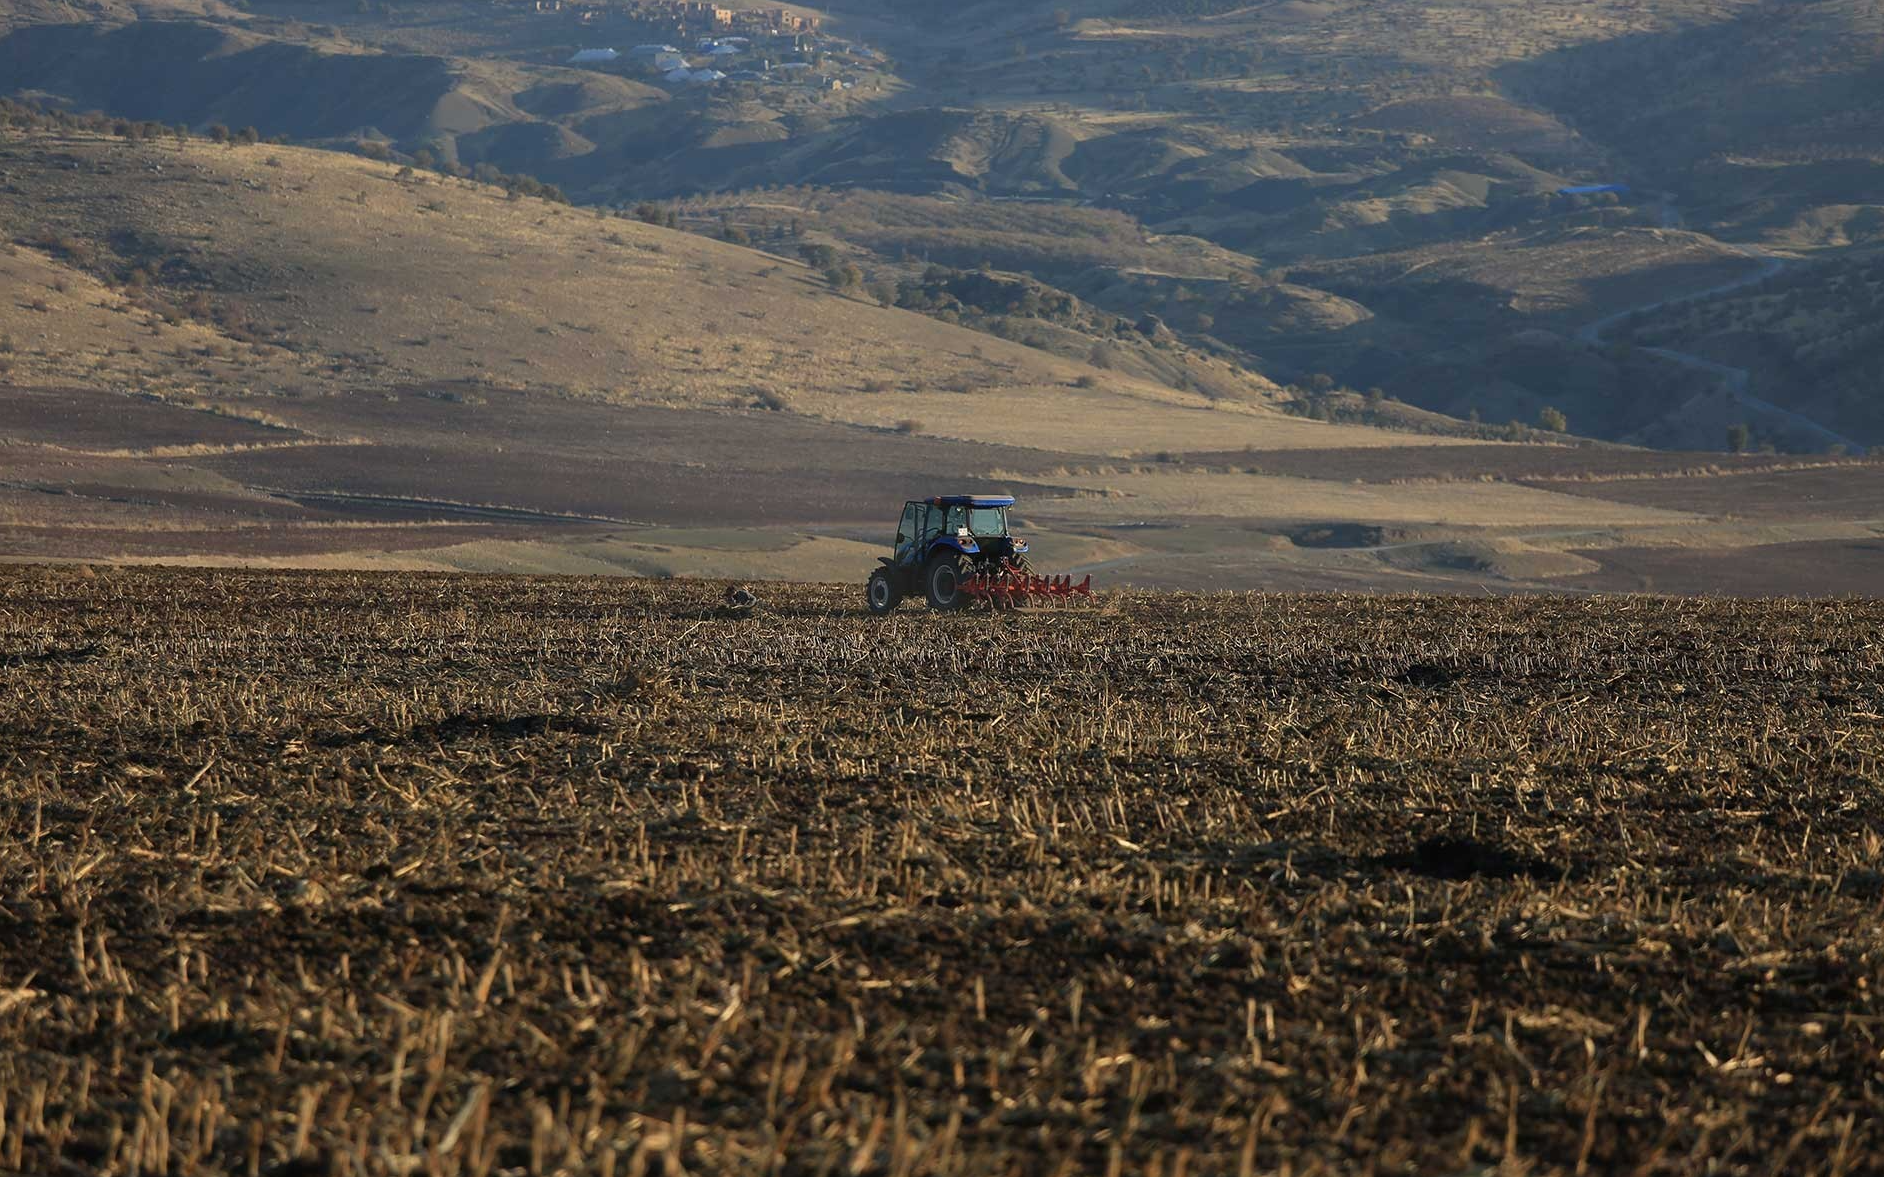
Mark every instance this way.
x=943 y=577
x=882 y=592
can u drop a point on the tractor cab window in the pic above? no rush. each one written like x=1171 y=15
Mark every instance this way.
x=988 y=522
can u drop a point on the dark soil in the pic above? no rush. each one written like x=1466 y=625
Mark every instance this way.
x=376 y=874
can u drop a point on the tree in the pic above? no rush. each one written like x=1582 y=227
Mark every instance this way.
x=1739 y=437
x=248 y=136
x=844 y=277
x=818 y=256
x=218 y=133
x=1549 y=418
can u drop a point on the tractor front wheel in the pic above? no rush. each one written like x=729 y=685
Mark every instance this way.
x=943 y=578
x=882 y=592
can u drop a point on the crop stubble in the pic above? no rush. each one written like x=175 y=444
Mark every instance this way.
x=389 y=874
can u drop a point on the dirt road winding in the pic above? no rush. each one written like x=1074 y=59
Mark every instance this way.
x=1733 y=380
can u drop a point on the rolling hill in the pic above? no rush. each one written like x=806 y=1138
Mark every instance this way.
x=1062 y=247
x=1285 y=149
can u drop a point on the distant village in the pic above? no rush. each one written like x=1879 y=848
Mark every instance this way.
x=691 y=43
x=689 y=17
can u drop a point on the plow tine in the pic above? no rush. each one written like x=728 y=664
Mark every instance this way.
x=1012 y=587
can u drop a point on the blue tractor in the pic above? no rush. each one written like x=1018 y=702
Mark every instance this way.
x=950 y=549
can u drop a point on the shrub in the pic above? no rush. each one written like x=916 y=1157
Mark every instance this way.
x=1088 y=380
x=1552 y=420
x=877 y=385
x=909 y=426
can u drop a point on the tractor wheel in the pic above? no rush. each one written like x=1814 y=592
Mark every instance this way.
x=943 y=577
x=882 y=593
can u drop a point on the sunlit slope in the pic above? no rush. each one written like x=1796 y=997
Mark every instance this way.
x=332 y=273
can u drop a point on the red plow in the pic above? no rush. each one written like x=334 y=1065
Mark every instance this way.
x=1010 y=587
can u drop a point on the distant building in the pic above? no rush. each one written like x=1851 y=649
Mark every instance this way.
x=593 y=56
x=1594 y=189
x=648 y=52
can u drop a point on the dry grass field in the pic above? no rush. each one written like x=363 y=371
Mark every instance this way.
x=409 y=874
x=309 y=273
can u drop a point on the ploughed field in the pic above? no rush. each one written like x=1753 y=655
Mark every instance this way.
x=408 y=874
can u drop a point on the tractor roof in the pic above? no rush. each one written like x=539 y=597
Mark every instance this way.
x=971 y=501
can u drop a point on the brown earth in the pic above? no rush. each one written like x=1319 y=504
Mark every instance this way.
x=1833 y=492
x=1830 y=568
x=344 y=873
x=1519 y=463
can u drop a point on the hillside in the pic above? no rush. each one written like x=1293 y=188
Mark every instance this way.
x=312 y=352
x=229 y=353
x=1256 y=161
x=1819 y=329
x=323 y=271
x=1124 y=259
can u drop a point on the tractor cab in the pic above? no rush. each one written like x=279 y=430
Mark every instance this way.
x=969 y=525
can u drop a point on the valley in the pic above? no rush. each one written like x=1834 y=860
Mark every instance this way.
x=1110 y=256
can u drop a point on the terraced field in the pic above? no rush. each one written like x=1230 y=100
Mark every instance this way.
x=347 y=873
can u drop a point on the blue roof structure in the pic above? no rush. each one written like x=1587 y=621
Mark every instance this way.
x=972 y=500
x=1592 y=189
